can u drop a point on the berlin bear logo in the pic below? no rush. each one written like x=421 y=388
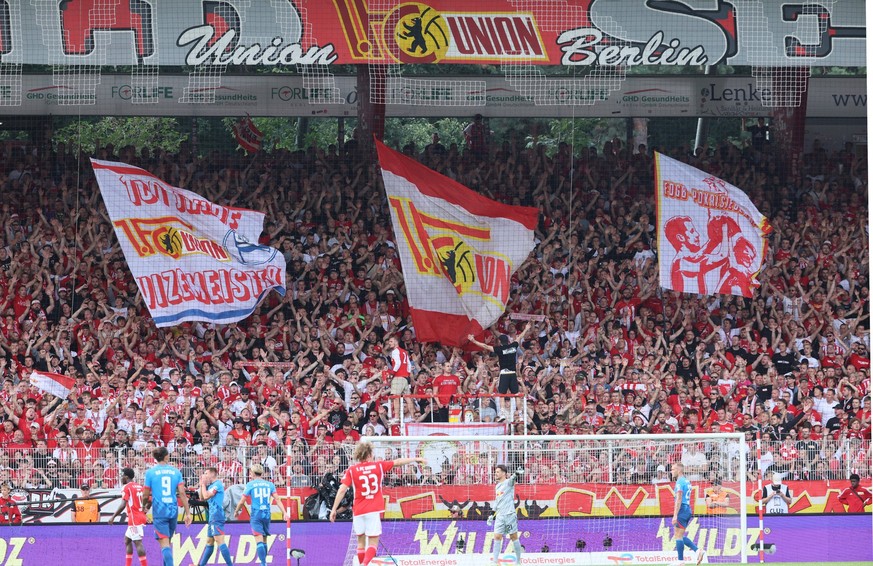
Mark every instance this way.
x=456 y=261
x=420 y=34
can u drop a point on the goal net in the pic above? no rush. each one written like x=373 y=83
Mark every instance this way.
x=581 y=500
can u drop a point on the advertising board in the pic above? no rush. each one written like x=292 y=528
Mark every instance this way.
x=435 y=542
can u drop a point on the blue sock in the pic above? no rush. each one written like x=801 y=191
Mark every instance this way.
x=262 y=553
x=168 y=556
x=517 y=545
x=225 y=553
x=207 y=554
x=689 y=544
x=680 y=548
x=498 y=545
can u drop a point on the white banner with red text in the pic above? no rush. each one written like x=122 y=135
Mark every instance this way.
x=192 y=259
x=458 y=249
x=711 y=237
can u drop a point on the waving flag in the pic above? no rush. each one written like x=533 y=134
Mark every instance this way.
x=54 y=383
x=457 y=248
x=711 y=238
x=192 y=259
x=248 y=136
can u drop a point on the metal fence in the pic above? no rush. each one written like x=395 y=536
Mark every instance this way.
x=306 y=462
x=481 y=408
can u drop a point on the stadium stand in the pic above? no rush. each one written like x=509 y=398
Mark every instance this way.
x=615 y=353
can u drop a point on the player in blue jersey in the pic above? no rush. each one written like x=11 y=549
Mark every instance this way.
x=682 y=514
x=163 y=488
x=260 y=493
x=212 y=491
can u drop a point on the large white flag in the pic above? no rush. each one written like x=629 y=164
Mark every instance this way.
x=55 y=383
x=711 y=238
x=458 y=249
x=192 y=259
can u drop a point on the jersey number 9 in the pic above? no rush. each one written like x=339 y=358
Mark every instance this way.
x=166 y=489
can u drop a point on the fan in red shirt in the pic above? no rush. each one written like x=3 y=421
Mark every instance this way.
x=855 y=497
x=10 y=514
x=131 y=494
x=446 y=386
x=859 y=357
x=346 y=432
x=366 y=477
x=241 y=433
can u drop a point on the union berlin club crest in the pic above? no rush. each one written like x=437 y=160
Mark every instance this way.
x=458 y=249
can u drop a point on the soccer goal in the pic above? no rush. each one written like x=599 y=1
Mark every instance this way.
x=580 y=500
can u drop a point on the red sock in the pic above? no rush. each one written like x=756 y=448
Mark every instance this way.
x=143 y=561
x=128 y=559
x=360 y=556
x=369 y=555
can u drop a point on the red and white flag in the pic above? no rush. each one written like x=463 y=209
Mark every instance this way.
x=248 y=136
x=711 y=238
x=54 y=383
x=457 y=248
x=191 y=258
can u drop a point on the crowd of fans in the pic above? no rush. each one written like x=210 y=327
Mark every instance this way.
x=615 y=353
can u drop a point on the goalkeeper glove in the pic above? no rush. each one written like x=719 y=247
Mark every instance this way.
x=490 y=520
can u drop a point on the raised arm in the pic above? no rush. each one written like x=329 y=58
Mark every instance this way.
x=404 y=461
x=478 y=344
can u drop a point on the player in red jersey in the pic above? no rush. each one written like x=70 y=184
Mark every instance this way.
x=131 y=493
x=366 y=477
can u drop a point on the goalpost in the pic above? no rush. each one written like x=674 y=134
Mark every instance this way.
x=582 y=500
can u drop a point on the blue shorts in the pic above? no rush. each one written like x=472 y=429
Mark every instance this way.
x=165 y=527
x=683 y=517
x=215 y=529
x=260 y=526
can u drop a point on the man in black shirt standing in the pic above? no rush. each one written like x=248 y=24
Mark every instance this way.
x=507 y=354
x=784 y=359
x=760 y=134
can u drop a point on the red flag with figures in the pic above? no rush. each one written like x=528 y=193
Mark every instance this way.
x=711 y=238
x=248 y=136
x=458 y=249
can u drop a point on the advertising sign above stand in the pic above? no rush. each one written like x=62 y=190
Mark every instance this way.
x=286 y=96
x=573 y=32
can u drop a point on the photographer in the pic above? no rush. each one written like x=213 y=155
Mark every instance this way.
x=777 y=496
x=319 y=504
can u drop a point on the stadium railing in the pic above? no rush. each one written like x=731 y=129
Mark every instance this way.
x=470 y=408
x=38 y=476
